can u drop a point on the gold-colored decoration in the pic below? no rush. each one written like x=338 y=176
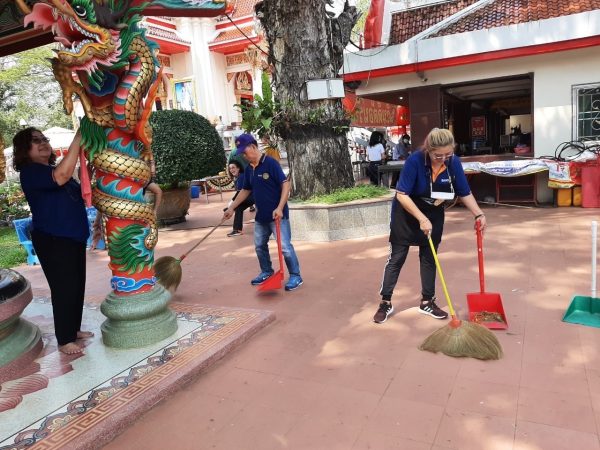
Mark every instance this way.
x=257 y=55
x=243 y=82
x=236 y=59
x=23 y=6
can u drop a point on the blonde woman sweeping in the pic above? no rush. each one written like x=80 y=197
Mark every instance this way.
x=430 y=177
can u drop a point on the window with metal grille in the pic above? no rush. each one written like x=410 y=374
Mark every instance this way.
x=586 y=117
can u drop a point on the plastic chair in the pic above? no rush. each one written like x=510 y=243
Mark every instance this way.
x=23 y=230
x=91 y=215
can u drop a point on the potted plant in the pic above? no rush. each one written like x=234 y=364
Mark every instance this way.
x=186 y=147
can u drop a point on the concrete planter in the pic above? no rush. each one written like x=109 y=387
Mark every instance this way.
x=324 y=223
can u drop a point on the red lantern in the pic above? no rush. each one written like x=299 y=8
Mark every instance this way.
x=349 y=102
x=402 y=116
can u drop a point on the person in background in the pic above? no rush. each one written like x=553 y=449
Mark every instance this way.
x=375 y=156
x=60 y=228
x=236 y=171
x=400 y=152
x=265 y=179
x=402 y=148
x=429 y=178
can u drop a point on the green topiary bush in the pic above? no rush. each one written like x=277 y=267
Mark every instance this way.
x=186 y=147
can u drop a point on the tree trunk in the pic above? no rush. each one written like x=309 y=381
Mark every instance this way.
x=305 y=44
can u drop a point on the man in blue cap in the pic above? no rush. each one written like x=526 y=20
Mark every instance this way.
x=270 y=187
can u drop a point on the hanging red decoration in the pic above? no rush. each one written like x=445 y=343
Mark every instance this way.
x=402 y=116
x=349 y=102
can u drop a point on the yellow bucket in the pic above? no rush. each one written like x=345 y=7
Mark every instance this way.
x=564 y=197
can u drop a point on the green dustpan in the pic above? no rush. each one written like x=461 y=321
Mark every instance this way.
x=586 y=310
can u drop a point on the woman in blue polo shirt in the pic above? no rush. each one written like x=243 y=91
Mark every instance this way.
x=60 y=228
x=430 y=177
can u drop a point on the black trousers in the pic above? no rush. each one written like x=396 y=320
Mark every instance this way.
x=63 y=263
x=373 y=173
x=238 y=217
x=393 y=266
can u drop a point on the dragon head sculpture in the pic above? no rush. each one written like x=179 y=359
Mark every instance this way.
x=92 y=35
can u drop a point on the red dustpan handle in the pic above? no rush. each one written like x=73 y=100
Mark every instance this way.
x=480 y=256
x=278 y=236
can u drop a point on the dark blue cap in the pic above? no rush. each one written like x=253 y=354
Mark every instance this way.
x=243 y=141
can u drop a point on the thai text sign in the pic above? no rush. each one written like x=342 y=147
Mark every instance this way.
x=370 y=113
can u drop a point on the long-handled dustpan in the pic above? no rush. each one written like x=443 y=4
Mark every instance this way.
x=275 y=281
x=485 y=308
x=586 y=310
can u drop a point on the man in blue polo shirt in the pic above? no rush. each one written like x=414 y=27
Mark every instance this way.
x=270 y=187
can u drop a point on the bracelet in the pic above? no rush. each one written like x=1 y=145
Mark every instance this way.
x=479 y=215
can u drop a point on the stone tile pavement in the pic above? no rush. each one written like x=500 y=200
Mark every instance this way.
x=324 y=376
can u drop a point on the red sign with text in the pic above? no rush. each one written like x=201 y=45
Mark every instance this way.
x=369 y=113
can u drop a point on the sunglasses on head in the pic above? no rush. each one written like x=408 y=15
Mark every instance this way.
x=39 y=140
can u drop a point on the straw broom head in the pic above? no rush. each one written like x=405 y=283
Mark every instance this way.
x=464 y=339
x=168 y=269
x=168 y=272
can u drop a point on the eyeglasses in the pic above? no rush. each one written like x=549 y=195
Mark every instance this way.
x=39 y=140
x=443 y=157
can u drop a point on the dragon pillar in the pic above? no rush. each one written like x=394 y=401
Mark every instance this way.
x=104 y=58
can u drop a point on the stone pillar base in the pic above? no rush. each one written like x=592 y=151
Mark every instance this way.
x=19 y=348
x=137 y=320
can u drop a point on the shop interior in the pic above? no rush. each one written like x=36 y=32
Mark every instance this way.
x=491 y=120
x=490 y=117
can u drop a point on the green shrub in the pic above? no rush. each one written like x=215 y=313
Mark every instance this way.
x=186 y=147
x=12 y=252
x=350 y=194
x=13 y=204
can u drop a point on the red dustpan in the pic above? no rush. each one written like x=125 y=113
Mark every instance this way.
x=485 y=308
x=275 y=281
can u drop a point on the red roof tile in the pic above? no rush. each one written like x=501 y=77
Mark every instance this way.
x=162 y=33
x=406 y=24
x=230 y=35
x=242 y=8
x=509 y=12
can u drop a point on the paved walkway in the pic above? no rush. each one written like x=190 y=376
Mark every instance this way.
x=324 y=376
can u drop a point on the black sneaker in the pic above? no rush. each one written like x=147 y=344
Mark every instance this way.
x=385 y=309
x=235 y=233
x=431 y=309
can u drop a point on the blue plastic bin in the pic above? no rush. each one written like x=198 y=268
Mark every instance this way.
x=195 y=191
x=91 y=215
x=23 y=230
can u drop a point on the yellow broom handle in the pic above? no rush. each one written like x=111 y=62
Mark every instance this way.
x=439 y=269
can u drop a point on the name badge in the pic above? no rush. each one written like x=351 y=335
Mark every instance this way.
x=442 y=195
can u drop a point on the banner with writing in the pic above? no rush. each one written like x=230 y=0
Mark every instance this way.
x=369 y=113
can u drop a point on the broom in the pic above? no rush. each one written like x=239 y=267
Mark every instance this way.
x=167 y=269
x=460 y=338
